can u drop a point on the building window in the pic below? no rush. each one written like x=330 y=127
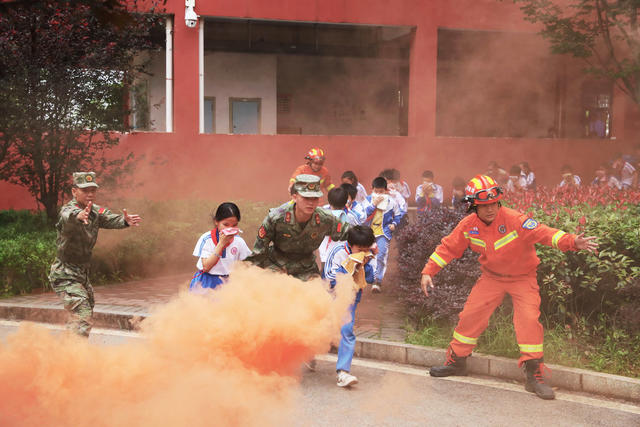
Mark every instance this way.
x=311 y=78
x=244 y=115
x=487 y=88
x=209 y=114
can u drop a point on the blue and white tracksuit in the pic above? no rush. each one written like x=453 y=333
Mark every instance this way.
x=332 y=268
x=392 y=214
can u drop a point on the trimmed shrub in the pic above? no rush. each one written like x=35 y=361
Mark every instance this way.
x=27 y=249
x=416 y=242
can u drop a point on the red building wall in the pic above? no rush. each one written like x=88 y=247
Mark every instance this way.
x=185 y=163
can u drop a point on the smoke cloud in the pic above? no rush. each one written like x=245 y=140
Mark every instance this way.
x=231 y=357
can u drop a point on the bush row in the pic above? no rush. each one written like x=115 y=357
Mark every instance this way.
x=575 y=286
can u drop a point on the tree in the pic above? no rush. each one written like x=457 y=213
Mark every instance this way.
x=604 y=33
x=65 y=71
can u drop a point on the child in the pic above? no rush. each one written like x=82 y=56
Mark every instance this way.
x=529 y=176
x=625 y=172
x=338 y=198
x=517 y=182
x=428 y=194
x=383 y=216
x=569 y=180
x=219 y=248
x=401 y=186
x=393 y=187
x=355 y=209
x=355 y=258
x=348 y=177
x=457 y=194
x=604 y=178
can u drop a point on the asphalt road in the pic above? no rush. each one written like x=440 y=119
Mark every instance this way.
x=400 y=395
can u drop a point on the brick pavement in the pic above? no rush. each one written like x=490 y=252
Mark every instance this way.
x=121 y=305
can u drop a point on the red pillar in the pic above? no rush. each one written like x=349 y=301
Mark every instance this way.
x=185 y=78
x=422 y=81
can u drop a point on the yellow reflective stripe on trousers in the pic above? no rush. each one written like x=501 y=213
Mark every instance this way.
x=530 y=348
x=506 y=239
x=475 y=241
x=556 y=238
x=438 y=260
x=464 y=340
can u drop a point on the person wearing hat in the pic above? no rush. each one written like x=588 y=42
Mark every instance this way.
x=77 y=230
x=291 y=232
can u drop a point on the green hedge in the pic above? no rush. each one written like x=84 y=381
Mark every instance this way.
x=163 y=244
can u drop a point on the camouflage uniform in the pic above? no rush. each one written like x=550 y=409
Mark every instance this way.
x=293 y=244
x=69 y=274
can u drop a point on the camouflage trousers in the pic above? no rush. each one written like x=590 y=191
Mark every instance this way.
x=77 y=295
x=304 y=269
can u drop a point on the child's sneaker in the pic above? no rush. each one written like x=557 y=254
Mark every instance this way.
x=345 y=379
x=376 y=289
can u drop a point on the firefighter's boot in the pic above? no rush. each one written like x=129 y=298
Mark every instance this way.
x=535 y=381
x=455 y=365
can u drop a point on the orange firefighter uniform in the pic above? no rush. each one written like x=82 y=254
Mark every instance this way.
x=508 y=262
x=323 y=173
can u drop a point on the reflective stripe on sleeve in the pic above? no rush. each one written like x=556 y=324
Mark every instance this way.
x=505 y=240
x=530 y=348
x=463 y=339
x=438 y=260
x=556 y=238
x=473 y=240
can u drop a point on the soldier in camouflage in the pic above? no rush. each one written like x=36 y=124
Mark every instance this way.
x=77 y=230
x=291 y=232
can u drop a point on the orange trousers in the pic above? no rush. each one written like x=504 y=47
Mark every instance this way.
x=485 y=297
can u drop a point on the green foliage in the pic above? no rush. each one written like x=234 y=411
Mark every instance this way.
x=64 y=72
x=602 y=33
x=27 y=249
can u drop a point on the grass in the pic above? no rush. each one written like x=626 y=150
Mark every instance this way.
x=596 y=348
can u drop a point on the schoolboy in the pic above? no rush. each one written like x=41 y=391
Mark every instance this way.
x=383 y=216
x=428 y=194
x=355 y=257
x=77 y=228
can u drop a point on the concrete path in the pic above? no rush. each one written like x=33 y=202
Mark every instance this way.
x=378 y=316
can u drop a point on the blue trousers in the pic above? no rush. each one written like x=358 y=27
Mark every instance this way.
x=381 y=259
x=348 y=339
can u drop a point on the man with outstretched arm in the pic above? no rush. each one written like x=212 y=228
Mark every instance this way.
x=505 y=240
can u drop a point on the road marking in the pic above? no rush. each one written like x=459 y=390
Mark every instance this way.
x=518 y=388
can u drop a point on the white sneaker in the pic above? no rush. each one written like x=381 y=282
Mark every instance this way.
x=376 y=289
x=311 y=365
x=345 y=379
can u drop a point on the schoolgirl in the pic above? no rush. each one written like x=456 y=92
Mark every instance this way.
x=218 y=249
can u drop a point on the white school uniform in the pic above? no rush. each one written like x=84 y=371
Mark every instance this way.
x=236 y=251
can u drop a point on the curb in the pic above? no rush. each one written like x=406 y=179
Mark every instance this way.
x=572 y=379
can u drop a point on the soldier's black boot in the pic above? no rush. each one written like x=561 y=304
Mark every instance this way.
x=535 y=381
x=455 y=365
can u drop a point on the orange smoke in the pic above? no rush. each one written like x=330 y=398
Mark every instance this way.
x=229 y=357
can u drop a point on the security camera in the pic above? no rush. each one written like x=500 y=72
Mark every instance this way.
x=190 y=17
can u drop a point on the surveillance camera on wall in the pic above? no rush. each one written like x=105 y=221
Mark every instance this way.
x=190 y=15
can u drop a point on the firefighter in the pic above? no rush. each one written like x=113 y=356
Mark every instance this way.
x=314 y=166
x=505 y=240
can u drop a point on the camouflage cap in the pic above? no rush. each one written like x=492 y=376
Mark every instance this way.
x=84 y=179
x=307 y=185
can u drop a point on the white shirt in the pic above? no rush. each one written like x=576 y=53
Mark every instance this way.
x=576 y=179
x=362 y=193
x=236 y=251
x=522 y=181
x=437 y=192
x=327 y=244
x=626 y=175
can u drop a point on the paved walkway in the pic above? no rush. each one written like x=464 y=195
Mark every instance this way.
x=118 y=305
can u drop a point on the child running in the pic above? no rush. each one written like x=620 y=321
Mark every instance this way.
x=219 y=248
x=355 y=258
